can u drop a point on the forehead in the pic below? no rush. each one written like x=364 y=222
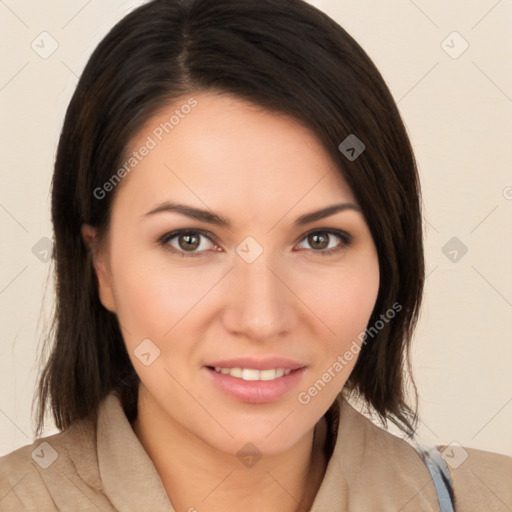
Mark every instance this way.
x=226 y=152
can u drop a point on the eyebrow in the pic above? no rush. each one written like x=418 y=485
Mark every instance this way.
x=212 y=218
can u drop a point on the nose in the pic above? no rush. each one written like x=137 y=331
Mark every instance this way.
x=259 y=303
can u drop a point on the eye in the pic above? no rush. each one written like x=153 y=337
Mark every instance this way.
x=186 y=242
x=323 y=241
x=192 y=243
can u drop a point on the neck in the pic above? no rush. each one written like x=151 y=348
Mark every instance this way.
x=197 y=476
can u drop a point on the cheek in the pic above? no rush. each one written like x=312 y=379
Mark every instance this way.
x=349 y=312
x=151 y=297
x=345 y=305
x=344 y=299
x=137 y=306
x=356 y=301
x=140 y=298
x=154 y=302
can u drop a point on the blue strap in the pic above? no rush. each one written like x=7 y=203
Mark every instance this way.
x=440 y=476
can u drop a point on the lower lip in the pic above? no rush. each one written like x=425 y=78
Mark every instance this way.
x=256 y=391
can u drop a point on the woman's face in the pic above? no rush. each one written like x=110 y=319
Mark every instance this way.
x=248 y=286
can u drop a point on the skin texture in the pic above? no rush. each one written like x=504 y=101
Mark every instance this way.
x=260 y=170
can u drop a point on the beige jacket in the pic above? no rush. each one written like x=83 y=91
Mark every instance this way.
x=103 y=467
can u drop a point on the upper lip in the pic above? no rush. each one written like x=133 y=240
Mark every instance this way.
x=267 y=363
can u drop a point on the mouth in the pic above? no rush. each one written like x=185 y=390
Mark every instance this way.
x=256 y=385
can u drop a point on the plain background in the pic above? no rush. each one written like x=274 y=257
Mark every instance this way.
x=457 y=106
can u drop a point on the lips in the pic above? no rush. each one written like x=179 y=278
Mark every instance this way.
x=233 y=382
x=269 y=363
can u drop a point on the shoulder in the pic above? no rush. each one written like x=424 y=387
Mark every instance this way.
x=31 y=476
x=399 y=477
x=395 y=450
x=482 y=480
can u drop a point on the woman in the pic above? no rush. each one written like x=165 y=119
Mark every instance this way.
x=238 y=253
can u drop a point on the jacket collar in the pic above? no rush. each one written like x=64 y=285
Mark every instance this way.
x=369 y=469
x=129 y=477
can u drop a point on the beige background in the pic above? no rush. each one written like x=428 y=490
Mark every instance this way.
x=458 y=113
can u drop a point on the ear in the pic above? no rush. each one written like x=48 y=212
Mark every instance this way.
x=101 y=267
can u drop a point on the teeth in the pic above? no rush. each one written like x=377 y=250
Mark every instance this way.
x=267 y=374
x=236 y=372
x=251 y=374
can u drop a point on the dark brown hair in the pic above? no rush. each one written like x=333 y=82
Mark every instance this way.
x=285 y=56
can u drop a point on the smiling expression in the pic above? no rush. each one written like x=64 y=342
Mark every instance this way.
x=245 y=294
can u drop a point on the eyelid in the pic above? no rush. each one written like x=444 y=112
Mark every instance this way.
x=346 y=237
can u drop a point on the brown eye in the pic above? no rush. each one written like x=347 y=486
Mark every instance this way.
x=326 y=242
x=188 y=242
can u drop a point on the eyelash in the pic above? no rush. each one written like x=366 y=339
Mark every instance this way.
x=164 y=241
